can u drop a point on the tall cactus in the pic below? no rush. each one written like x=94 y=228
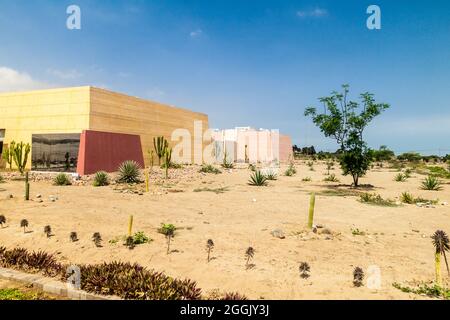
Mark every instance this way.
x=167 y=159
x=27 y=187
x=312 y=203
x=8 y=154
x=160 y=144
x=130 y=226
x=20 y=155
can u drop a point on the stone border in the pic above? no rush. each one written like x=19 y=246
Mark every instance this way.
x=51 y=286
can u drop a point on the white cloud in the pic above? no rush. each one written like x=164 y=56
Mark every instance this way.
x=13 y=80
x=65 y=74
x=314 y=13
x=196 y=33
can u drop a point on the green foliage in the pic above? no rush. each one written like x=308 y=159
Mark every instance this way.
x=208 y=168
x=16 y=294
x=2 y=180
x=257 y=179
x=431 y=183
x=129 y=172
x=306 y=179
x=227 y=164
x=410 y=156
x=408 y=198
x=433 y=291
x=62 y=180
x=376 y=199
x=270 y=175
x=342 y=122
x=357 y=232
x=20 y=155
x=331 y=178
x=8 y=154
x=383 y=154
x=126 y=280
x=160 y=144
x=140 y=238
x=169 y=231
x=310 y=164
x=101 y=179
x=439 y=172
x=291 y=171
x=400 y=177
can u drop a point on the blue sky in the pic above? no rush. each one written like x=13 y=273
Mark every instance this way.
x=257 y=63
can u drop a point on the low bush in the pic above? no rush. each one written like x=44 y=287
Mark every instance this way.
x=331 y=178
x=101 y=179
x=129 y=172
x=290 y=170
x=431 y=183
x=400 y=177
x=126 y=280
x=376 y=199
x=62 y=180
x=208 y=168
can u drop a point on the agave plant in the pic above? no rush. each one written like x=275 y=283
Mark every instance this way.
x=169 y=231
x=431 y=183
x=48 y=231
x=73 y=236
x=129 y=172
x=97 y=238
x=62 y=180
x=209 y=247
x=407 y=197
x=400 y=177
x=2 y=220
x=249 y=254
x=271 y=175
x=24 y=225
x=101 y=179
x=441 y=244
x=304 y=269
x=257 y=179
x=358 y=277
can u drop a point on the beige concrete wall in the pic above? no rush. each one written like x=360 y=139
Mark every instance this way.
x=115 y=112
x=45 y=111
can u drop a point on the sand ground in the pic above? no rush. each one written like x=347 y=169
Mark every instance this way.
x=397 y=239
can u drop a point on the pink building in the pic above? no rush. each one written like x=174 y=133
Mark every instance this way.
x=246 y=144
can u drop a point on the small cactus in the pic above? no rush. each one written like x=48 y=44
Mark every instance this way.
x=358 y=277
x=209 y=247
x=73 y=236
x=24 y=225
x=48 y=231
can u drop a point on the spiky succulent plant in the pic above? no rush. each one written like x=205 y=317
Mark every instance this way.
x=441 y=244
x=2 y=220
x=431 y=183
x=97 y=238
x=358 y=277
x=209 y=247
x=129 y=172
x=24 y=225
x=304 y=269
x=257 y=179
x=73 y=236
x=62 y=180
x=249 y=254
x=101 y=179
x=48 y=231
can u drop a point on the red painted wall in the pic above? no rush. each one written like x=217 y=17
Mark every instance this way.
x=106 y=151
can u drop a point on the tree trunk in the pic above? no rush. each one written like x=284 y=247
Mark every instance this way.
x=355 y=180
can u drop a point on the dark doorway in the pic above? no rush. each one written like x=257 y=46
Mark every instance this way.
x=55 y=152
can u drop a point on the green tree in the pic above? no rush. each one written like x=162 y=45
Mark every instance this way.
x=383 y=154
x=345 y=121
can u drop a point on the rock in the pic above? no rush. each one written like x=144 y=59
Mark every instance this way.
x=9 y=196
x=325 y=231
x=254 y=200
x=314 y=229
x=277 y=233
x=38 y=196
